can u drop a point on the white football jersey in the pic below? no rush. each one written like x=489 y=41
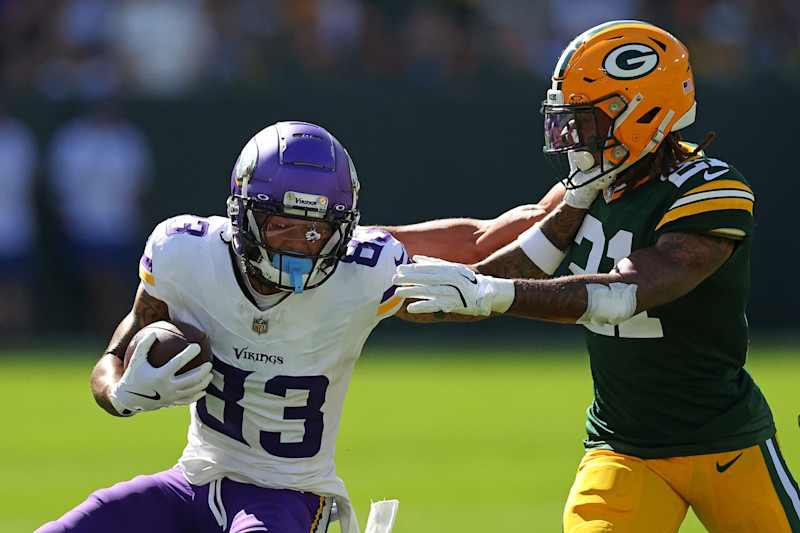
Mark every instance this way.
x=272 y=412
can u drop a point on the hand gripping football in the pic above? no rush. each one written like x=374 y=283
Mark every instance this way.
x=171 y=338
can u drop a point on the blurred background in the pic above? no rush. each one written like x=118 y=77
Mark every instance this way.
x=115 y=114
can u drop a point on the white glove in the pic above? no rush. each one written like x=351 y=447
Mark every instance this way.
x=585 y=190
x=144 y=387
x=452 y=288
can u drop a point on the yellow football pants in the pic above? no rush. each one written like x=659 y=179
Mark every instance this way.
x=748 y=490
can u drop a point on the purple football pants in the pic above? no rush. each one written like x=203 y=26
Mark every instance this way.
x=166 y=503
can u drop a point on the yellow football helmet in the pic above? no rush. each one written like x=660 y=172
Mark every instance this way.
x=617 y=90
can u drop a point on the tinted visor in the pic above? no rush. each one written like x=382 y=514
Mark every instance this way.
x=576 y=128
x=570 y=128
x=289 y=229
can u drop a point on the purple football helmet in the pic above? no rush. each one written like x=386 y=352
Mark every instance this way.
x=294 y=170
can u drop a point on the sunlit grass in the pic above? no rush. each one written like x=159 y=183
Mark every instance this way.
x=468 y=439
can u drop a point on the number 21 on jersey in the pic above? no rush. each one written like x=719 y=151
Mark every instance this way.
x=616 y=248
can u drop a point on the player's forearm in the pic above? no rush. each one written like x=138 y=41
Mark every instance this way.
x=561 y=299
x=453 y=239
x=562 y=224
x=558 y=227
x=657 y=276
x=510 y=262
x=466 y=240
x=653 y=280
x=105 y=374
x=108 y=370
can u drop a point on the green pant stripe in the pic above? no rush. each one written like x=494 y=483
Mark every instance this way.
x=785 y=486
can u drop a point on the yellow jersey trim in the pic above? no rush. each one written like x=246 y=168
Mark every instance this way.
x=721 y=184
x=389 y=305
x=144 y=275
x=705 y=206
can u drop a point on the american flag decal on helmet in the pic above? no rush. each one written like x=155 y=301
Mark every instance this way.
x=687 y=86
x=260 y=325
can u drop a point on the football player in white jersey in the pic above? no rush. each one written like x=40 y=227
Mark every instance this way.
x=288 y=287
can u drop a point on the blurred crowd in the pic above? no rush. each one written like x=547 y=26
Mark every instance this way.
x=96 y=169
x=98 y=52
x=172 y=48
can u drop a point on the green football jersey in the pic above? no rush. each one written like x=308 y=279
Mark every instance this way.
x=670 y=381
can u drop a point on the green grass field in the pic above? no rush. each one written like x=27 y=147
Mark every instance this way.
x=468 y=439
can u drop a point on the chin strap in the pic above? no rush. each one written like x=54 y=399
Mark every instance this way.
x=659 y=134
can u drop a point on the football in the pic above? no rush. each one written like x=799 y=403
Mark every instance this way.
x=171 y=339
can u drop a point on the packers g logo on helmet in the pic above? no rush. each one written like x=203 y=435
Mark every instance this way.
x=630 y=61
x=617 y=90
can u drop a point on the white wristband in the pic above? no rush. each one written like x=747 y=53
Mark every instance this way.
x=609 y=304
x=540 y=249
x=503 y=294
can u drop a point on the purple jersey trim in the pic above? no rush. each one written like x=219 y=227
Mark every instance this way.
x=389 y=293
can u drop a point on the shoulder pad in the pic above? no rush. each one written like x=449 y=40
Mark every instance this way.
x=167 y=242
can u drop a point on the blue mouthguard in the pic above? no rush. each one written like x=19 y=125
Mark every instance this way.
x=295 y=267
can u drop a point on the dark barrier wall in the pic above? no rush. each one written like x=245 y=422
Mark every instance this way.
x=428 y=155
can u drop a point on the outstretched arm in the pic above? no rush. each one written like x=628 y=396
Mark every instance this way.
x=678 y=263
x=469 y=240
x=647 y=278
x=559 y=228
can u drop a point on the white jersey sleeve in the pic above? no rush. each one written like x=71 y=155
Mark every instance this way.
x=378 y=250
x=162 y=262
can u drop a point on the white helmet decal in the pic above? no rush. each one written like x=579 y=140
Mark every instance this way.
x=630 y=61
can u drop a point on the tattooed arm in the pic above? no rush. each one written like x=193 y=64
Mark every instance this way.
x=677 y=264
x=559 y=226
x=108 y=369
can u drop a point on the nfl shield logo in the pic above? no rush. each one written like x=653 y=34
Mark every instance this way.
x=260 y=325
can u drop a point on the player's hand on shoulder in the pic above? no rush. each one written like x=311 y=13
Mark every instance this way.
x=144 y=387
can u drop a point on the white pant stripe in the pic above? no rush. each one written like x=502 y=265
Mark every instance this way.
x=787 y=484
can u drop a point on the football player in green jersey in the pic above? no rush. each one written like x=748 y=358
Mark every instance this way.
x=660 y=279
